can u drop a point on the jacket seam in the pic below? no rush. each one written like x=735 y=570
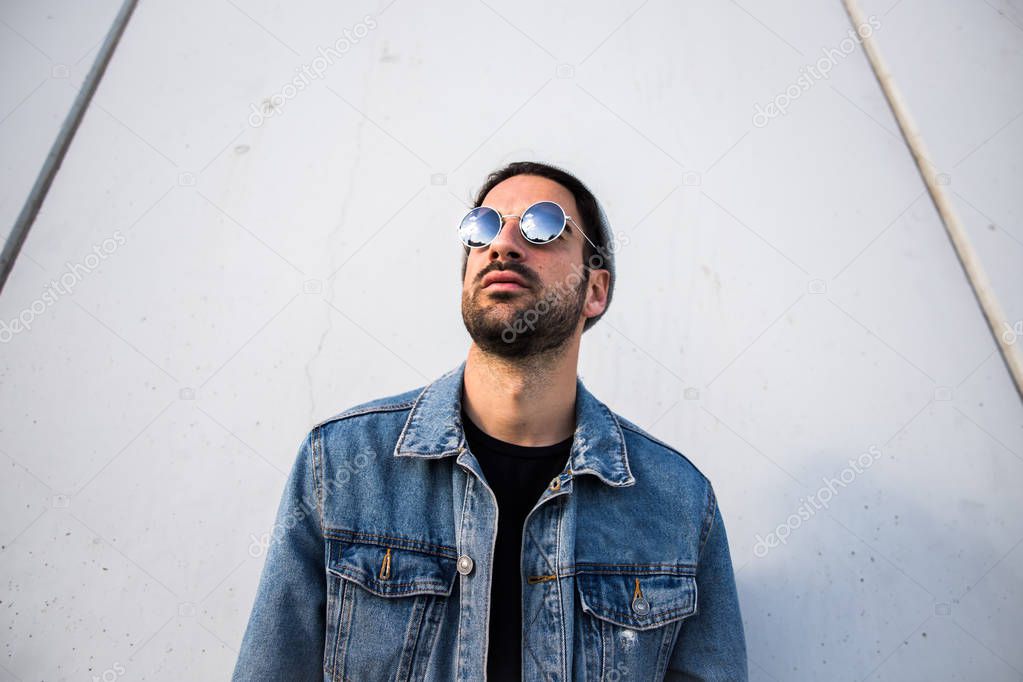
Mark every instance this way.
x=411 y=417
x=316 y=443
x=566 y=654
x=358 y=412
x=590 y=568
x=357 y=537
x=708 y=523
x=367 y=581
x=658 y=441
x=625 y=447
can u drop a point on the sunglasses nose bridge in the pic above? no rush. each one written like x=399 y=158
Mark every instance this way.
x=504 y=218
x=508 y=217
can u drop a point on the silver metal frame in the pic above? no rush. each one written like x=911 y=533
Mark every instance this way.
x=511 y=215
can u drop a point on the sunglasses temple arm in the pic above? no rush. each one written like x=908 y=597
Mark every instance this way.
x=583 y=233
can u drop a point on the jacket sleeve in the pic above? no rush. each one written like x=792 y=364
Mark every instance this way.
x=285 y=633
x=711 y=646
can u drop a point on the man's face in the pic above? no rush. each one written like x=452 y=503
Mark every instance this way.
x=520 y=321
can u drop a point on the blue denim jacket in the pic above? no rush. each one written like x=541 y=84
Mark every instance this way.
x=380 y=559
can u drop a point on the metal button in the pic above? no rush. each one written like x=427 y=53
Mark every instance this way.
x=465 y=564
x=641 y=606
x=555 y=483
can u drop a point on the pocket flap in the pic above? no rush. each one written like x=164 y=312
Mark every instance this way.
x=392 y=571
x=637 y=600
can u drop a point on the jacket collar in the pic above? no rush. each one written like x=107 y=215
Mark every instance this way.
x=434 y=430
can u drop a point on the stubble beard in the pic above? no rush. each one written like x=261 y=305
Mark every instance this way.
x=520 y=324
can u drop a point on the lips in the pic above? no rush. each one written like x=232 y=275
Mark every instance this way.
x=503 y=278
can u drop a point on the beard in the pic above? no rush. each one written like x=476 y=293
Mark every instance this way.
x=524 y=322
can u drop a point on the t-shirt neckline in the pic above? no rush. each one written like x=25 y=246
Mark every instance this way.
x=502 y=447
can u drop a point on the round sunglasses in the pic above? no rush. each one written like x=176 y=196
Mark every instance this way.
x=541 y=223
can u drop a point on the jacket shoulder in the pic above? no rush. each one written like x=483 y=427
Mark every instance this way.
x=390 y=403
x=662 y=448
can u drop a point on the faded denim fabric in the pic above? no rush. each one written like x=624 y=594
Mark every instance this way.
x=379 y=565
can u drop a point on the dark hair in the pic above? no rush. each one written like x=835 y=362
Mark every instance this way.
x=591 y=217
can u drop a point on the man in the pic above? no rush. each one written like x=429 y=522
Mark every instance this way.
x=501 y=523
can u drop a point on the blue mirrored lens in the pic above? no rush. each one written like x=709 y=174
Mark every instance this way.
x=479 y=227
x=543 y=222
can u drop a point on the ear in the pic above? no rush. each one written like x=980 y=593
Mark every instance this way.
x=596 y=292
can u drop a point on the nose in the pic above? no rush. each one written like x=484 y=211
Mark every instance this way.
x=509 y=243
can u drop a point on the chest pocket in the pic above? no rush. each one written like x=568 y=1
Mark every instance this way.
x=384 y=607
x=628 y=620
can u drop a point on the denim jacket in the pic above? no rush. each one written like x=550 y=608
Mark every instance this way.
x=380 y=560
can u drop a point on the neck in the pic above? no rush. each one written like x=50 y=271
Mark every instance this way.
x=527 y=402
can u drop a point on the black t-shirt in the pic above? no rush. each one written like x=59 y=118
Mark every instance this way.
x=518 y=475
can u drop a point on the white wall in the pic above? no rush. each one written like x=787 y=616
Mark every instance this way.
x=46 y=49
x=788 y=301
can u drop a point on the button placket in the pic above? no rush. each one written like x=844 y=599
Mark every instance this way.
x=555 y=483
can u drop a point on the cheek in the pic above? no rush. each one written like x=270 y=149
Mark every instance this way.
x=563 y=278
x=471 y=273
